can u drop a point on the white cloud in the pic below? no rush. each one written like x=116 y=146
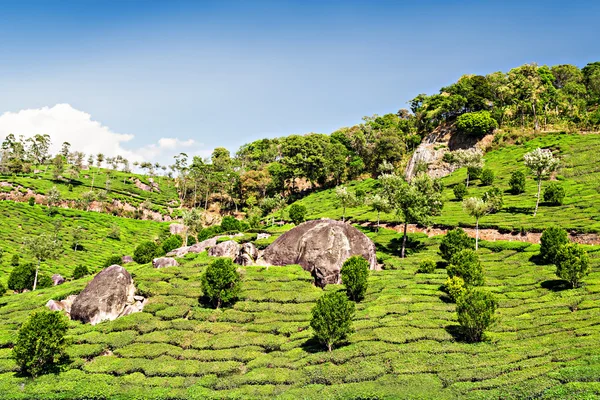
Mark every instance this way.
x=66 y=124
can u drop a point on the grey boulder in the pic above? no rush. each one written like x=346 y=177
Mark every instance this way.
x=57 y=280
x=163 y=262
x=229 y=249
x=195 y=248
x=247 y=255
x=126 y=259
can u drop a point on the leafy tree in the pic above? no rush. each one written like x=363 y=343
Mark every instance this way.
x=21 y=277
x=80 y=271
x=192 y=220
x=332 y=318
x=43 y=247
x=470 y=158
x=466 y=264
x=229 y=224
x=426 y=266
x=145 y=252
x=494 y=199
x=542 y=163
x=378 y=204
x=517 y=182
x=572 y=264
x=58 y=166
x=345 y=199
x=172 y=243
x=221 y=282
x=477 y=208
x=554 y=194
x=41 y=343
x=355 y=273
x=552 y=240
x=78 y=234
x=31 y=201
x=474 y=172
x=53 y=198
x=478 y=123
x=297 y=213
x=460 y=191
x=487 y=177
x=455 y=287
x=455 y=241
x=475 y=311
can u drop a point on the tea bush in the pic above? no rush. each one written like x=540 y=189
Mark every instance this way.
x=551 y=241
x=475 y=311
x=554 y=194
x=453 y=242
x=355 y=273
x=332 y=319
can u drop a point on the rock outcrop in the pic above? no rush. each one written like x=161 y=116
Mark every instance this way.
x=126 y=259
x=229 y=249
x=106 y=297
x=62 y=305
x=163 y=262
x=57 y=280
x=195 y=248
x=247 y=255
x=321 y=247
x=176 y=229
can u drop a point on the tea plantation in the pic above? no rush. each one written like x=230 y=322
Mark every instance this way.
x=544 y=344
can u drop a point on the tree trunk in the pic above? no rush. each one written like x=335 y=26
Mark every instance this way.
x=344 y=214
x=536 y=124
x=378 y=212
x=477 y=234
x=537 y=201
x=467 y=176
x=329 y=346
x=404 y=241
x=36 y=276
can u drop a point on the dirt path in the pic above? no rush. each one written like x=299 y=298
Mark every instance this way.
x=491 y=234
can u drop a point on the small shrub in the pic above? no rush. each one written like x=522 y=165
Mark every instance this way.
x=80 y=271
x=297 y=213
x=466 y=265
x=41 y=345
x=229 y=224
x=14 y=261
x=455 y=287
x=517 y=182
x=355 y=273
x=487 y=177
x=145 y=252
x=44 y=281
x=449 y=157
x=455 y=241
x=477 y=123
x=332 y=318
x=21 y=277
x=172 y=243
x=474 y=172
x=554 y=194
x=191 y=240
x=114 y=233
x=31 y=201
x=460 y=191
x=552 y=240
x=221 y=282
x=2 y=289
x=70 y=187
x=572 y=264
x=427 y=266
x=209 y=232
x=475 y=311
x=112 y=260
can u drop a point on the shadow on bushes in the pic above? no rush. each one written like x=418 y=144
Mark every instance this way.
x=556 y=285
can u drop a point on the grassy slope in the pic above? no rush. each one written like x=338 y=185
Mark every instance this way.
x=403 y=346
x=579 y=175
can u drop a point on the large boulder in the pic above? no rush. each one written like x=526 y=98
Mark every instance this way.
x=247 y=255
x=321 y=247
x=105 y=297
x=176 y=229
x=163 y=262
x=229 y=249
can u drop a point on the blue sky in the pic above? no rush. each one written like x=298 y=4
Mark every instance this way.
x=224 y=73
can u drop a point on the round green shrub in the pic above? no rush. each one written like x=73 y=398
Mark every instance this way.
x=41 y=344
x=572 y=264
x=460 y=191
x=474 y=173
x=466 y=265
x=22 y=277
x=487 y=177
x=80 y=271
x=297 y=213
x=426 y=266
x=355 y=273
x=221 y=282
x=475 y=311
x=517 y=182
x=455 y=287
x=112 y=260
x=191 y=240
x=172 y=243
x=554 y=194
x=145 y=252
x=455 y=241
x=477 y=123
x=31 y=201
x=14 y=261
x=332 y=318
x=229 y=224
x=552 y=240
x=44 y=281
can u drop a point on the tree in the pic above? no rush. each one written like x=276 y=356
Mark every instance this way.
x=416 y=202
x=355 y=273
x=192 y=220
x=477 y=208
x=460 y=191
x=41 y=343
x=172 y=243
x=453 y=242
x=332 y=318
x=43 y=247
x=478 y=123
x=78 y=235
x=554 y=194
x=80 y=271
x=466 y=265
x=487 y=177
x=542 y=163
x=470 y=158
x=455 y=287
x=378 y=204
x=552 y=240
x=517 y=182
x=572 y=264
x=65 y=150
x=345 y=199
x=145 y=252
x=297 y=213
x=53 y=199
x=86 y=199
x=21 y=277
x=221 y=282
x=475 y=311
x=58 y=166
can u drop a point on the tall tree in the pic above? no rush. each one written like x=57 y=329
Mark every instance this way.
x=541 y=162
x=42 y=247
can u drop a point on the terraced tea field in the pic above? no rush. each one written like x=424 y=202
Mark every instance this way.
x=544 y=345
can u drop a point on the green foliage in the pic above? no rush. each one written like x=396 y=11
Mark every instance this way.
x=230 y=224
x=297 y=213
x=554 y=194
x=474 y=172
x=209 y=232
x=31 y=201
x=517 y=182
x=460 y=191
x=145 y=252
x=455 y=287
x=332 y=318
x=551 y=242
x=221 y=282
x=355 y=273
x=427 y=266
x=475 y=311
x=44 y=281
x=14 y=261
x=191 y=240
x=41 y=344
x=455 y=241
x=115 y=232
x=476 y=123
x=487 y=177
x=466 y=264
x=2 y=289
x=494 y=200
x=572 y=264
x=81 y=270
x=112 y=260
x=172 y=243
x=21 y=277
